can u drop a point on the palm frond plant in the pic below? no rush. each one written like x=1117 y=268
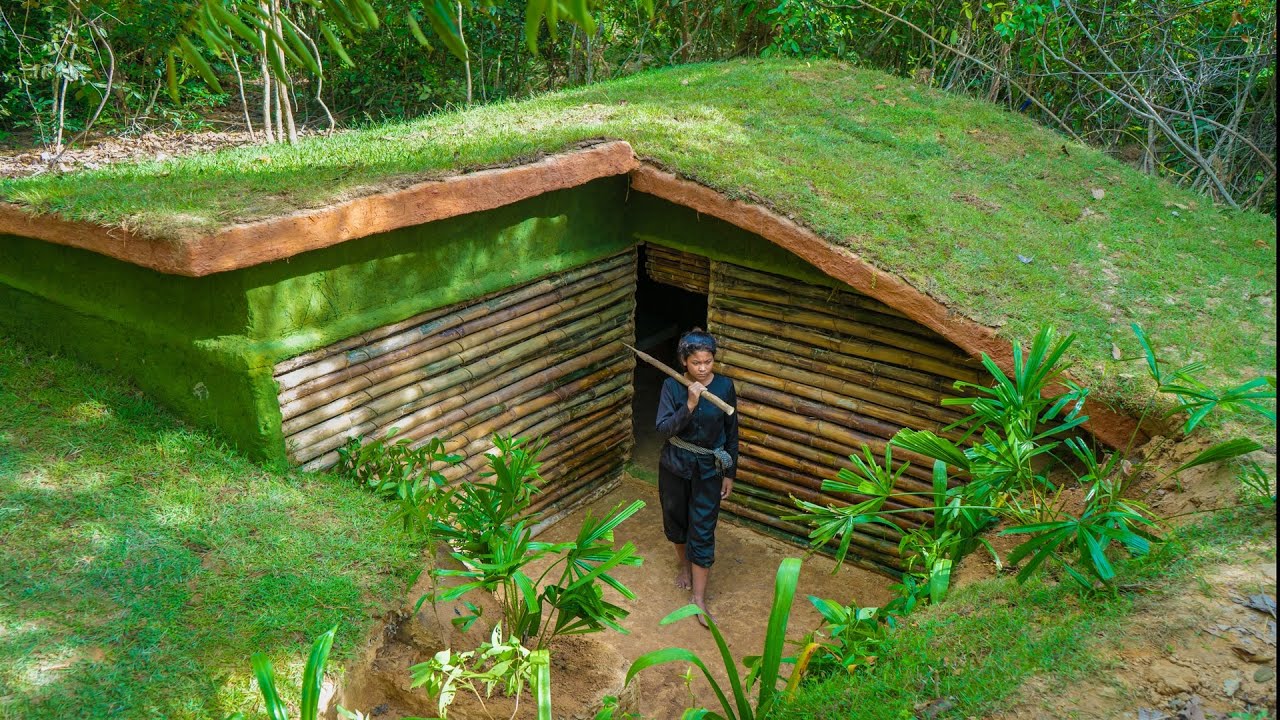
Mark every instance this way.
x=760 y=673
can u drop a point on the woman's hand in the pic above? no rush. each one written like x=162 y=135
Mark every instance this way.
x=695 y=393
x=726 y=487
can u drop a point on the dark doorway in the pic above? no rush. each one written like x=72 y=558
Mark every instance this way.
x=663 y=313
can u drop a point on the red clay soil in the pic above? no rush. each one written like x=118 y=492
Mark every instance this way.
x=586 y=668
x=248 y=244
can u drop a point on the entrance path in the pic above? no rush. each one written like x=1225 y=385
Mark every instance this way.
x=739 y=595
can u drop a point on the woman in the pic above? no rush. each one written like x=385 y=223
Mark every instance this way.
x=698 y=461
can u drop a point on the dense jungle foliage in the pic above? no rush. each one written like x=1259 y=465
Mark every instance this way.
x=1181 y=88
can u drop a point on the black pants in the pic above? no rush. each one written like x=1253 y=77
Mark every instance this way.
x=690 y=509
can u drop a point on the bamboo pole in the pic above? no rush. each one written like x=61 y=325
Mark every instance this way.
x=457 y=400
x=413 y=404
x=785 y=442
x=859 y=539
x=408 y=384
x=857 y=348
x=761 y=462
x=813 y=433
x=927 y=383
x=876 y=403
x=560 y=510
x=337 y=398
x=798 y=535
x=823 y=306
x=859 y=378
x=845 y=296
x=900 y=343
x=891 y=421
x=366 y=360
x=724 y=407
x=817 y=472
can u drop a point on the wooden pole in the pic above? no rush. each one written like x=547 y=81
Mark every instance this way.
x=706 y=394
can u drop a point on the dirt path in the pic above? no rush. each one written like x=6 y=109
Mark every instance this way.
x=585 y=668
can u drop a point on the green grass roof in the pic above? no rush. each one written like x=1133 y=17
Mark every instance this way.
x=945 y=191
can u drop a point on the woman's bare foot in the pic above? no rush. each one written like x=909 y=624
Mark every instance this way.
x=683 y=580
x=704 y=615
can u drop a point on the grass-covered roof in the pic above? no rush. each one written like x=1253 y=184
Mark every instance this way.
x=1008 y=223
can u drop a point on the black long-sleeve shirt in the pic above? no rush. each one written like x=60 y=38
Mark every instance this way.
x=707 y=426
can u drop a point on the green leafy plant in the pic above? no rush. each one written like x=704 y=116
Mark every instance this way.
x=484 y=525
x=1016 y=428
x=312 y=681
x=867 y=477
x=854 y=638
x=494 y=664
x=396 y=470
x=762 y=672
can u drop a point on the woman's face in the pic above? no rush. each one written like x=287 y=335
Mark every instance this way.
x=698 y=366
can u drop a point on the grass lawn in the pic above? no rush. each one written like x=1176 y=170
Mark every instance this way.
x=945 y=191
x=985 y=640
x=143 y=562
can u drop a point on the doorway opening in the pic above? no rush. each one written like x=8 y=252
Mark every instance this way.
x=663 y=313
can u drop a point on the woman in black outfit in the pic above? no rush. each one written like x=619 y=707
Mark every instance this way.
x=698 y=461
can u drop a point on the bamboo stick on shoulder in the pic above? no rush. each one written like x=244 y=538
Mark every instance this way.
x=706 y=394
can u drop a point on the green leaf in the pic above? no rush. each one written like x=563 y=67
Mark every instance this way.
x=541 y=661
x=666 y=655
x=784 y=591
x=276 y=709
x=313 y=674
x=1222 y=451
x=195 y=60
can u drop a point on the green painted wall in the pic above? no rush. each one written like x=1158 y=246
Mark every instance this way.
x=206 y=346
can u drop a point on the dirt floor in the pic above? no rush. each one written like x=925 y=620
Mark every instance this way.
x=586 y=668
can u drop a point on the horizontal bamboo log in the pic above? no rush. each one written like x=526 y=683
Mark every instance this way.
x=366 y=361
x=457 y=391
x=788 y=442
x=845 y=296
x=585 y=479
x=781 y=479
x=745 y=291
x=430 y=399
x=868 y=401
x=762 y=461
x=411 y=384
x=871 y=381
x=492 y=301
x=561 y=509
x=901 y=342
x=857 y=538
x=856 y=348
x=516 y=417
x=680 y=280
x=336 y=398
x=463 y=431
x=765 y=483
x=808 y=408
x=582 y=487
x=889 y=421
x=825 y=428
x=797 y=535
x=819 y=471
x=933 y=385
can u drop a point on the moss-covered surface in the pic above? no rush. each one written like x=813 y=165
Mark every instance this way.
x=942 y=190
x=206 y=346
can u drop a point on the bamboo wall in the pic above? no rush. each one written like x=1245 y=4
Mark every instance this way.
x=678 y=268
x=541 y=360
x=821 y=373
